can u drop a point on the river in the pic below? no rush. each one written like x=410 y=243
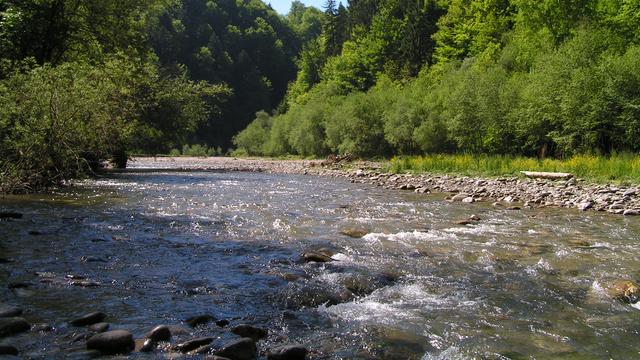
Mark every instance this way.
x=159 y=247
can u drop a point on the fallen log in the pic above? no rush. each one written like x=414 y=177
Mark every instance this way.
x=547 y=175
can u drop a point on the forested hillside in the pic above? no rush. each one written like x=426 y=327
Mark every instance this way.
x=82 y=82
x=518 y=77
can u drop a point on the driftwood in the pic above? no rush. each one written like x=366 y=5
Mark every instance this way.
x=547 y=175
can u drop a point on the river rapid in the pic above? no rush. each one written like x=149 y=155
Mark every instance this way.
x=150 y=248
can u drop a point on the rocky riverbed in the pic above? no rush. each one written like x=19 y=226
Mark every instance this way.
x=509 y=192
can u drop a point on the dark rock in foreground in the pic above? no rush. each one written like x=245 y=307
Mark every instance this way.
x=99 y=327
x=193 y=344
x=248 y=331
x=112 y=342
x=243 y=349
x=148 y=346
x=159 y=333
x=10 y=215
x=288 y=352
x=13 y=325
x=8 y=350
x=199 y=320
x=10 y=311
x=89 y=319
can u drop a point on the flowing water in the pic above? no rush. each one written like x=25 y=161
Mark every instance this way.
x=164 y=246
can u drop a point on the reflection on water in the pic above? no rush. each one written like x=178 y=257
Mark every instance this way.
x=166 y=246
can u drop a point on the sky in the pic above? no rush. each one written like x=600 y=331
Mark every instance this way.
x=283 y=6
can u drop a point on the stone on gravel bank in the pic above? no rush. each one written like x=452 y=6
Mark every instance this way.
x=243 y=349
x=13 y=325
x=89 y=319
x=112 y=342
x=288 y=352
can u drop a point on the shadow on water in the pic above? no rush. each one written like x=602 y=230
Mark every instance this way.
x=156 y=248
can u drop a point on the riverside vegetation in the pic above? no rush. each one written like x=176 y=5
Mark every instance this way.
x=509 y=77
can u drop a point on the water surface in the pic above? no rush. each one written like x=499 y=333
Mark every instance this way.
x=164 y=246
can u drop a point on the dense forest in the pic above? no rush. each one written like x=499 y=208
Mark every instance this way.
x=515 y=77
x=83 y=82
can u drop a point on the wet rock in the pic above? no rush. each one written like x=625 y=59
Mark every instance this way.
x=193 y=344
x=631 y=212
x=75 y=277
x=178 y=330
x=222 y=323
x=363 y=283
x=148 y=346
x=579 y=243
x=199 y=320
x=85 y=283
x=159 y=333
x=465 y=222
x=112 y=342
x=468 y=200
x=514 y=208
x=18 y=285
x=89 y=258
x=585 y=206
x=248 y=331
x=625 y=291
x=9 y=311
x=13 y=325
x=313 y=256
x=243 y=349
x=354 y=232
x=99 y=327
x=8 y=350
x=83 y=355
x=216 y=357
x=89 y=319
x=475 y=217
x=10 y=215
x=288 y=352
x=460 y=197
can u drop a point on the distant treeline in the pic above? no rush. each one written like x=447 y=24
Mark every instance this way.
x=515 y=77
x=82 y=82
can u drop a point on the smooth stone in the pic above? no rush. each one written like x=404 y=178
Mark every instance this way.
x=89 y=258
x=288 y=352
x=13 y=325
x=89 y=319
x=585 y=206
x=248 y=331
x=18 y=285
x=316 y=257
x=85 y=283
x=159 y=333
x=468 y=200
x=199 y=320
x=243 y=349
x=8 y=350
x=222 y=323
x=10 y=215
x=148 y=346
x=354 y=232
x=112 y=342
x=625 y=291
x=216 y=357
x=475 y=217
x=193 y=344
x=460 y=197
x=631 y=212
x=10 y=311
x=99 y=327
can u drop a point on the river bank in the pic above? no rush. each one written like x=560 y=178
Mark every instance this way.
x=510 y=192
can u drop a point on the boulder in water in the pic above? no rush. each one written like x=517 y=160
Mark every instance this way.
x=89 y=319
x=248 y=331
x=8 y=350
x=313 y=256
x=193 y=344
x=354 y=232
x=243 y=349
x=99 y=327
x=288 y=352
x=625 y=291
x=13 y=325
x=112 y=342
x=199 y=320
x=159 y=333
x=9 y=311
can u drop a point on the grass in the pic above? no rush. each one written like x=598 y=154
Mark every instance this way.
x=621 y=168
